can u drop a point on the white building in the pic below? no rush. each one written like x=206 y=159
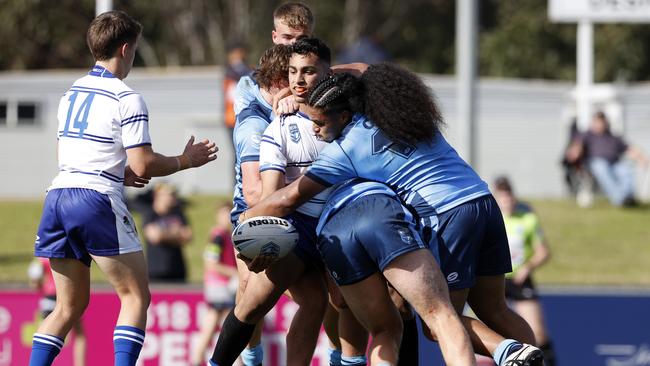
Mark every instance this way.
x=522 y=126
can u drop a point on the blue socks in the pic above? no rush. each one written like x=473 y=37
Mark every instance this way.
x=44 y=349
x=334 y=356
x=354 y=361
x=127 y=343
x=253 y=356
x=505 y=348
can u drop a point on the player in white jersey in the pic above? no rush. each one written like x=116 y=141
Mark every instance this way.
x=299 y=270
x=291 y=21
x=288 y=148
x=102 y=123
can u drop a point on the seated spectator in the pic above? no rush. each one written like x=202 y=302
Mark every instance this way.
x=166 y=231
x=605 y=156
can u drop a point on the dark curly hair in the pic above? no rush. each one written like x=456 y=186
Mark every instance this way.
x=305 y=46
x=399 y=103
x=393 y=98
x=273 y=68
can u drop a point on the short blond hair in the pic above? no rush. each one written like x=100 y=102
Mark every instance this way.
x=295 y=15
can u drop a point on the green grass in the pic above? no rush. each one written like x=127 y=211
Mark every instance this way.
x=595 y=246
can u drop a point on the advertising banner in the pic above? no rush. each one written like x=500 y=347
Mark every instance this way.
x=174 y=319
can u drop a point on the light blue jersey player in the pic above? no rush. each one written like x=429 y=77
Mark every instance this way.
x=251 y=121
x=102 y=122
x=402 y=147
x=430 y=179
x=365 y=237
x=247 y=135
x=357 y=240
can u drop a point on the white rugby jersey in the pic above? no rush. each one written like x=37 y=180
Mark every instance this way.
x=99 y=118
x=289 y=145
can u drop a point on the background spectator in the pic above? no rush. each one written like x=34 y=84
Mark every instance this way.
x=528 y=251
x=605 y=156
x=166 y=231
x=219 y=279
x=40 y=278
x=366 y=49
x=235 y=68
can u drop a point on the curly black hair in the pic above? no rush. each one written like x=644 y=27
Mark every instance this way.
x=400 y=104
x=273 y=68
x=305 y=46
x=393 y=98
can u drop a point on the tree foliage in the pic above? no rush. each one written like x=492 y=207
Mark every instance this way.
x=516 y=37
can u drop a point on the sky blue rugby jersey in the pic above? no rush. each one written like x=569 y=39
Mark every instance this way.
x=345 y=193
x=251 y=122
x=246 y=91
x=429 y=177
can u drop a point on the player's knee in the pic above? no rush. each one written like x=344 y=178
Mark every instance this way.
x=249 y=315
x=69 y=313
x=402 y=306
x=336 y=299
x=137 y=299
x=146 y=298
x=388 y=325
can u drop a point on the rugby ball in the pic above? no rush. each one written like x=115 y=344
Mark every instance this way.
x=268 y=235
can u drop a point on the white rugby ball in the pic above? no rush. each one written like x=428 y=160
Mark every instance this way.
x=268 y=235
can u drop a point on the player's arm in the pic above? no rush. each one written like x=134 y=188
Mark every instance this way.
x=251 y=182
x=145 y=162
x=132 y=180
x=285 y=200
x=272 y=180
x=273 y=159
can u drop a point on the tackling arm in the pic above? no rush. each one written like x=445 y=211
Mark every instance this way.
x=285 y=200
x=144 y=162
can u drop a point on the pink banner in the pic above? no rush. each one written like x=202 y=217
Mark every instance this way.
x=172 y=328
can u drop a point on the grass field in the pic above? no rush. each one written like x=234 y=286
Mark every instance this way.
x=595 y=246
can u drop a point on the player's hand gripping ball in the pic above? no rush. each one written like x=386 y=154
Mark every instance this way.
x=265 y=235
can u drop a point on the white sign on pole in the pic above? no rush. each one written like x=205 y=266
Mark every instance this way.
x=600 y=11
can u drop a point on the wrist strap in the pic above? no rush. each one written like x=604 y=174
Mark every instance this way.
x=178 y=163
